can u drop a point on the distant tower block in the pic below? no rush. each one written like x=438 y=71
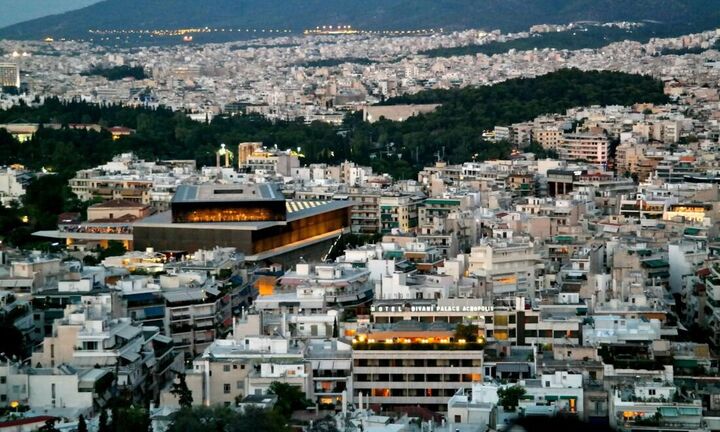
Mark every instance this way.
x=245 y=150
x=9 y=75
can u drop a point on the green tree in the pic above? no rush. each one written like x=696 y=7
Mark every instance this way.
x=82 y=425
x=468 y=332
x=103 y=425
x=114 y=248
x=335 y=330
x=509 y=397
x=181 y=391
x=224 y=419
x=12 y=342
x=257 y=419
x=49 y=426
x=90 y=260
x=132 y=418
x=290 y=398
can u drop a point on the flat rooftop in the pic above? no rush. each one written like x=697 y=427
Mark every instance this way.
x=206 y=193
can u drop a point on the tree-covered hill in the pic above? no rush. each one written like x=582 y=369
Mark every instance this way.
x=399 y=148
x=116 y=73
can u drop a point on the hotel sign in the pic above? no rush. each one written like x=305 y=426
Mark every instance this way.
x=431 y=308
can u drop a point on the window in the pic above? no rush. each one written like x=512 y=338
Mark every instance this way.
x=90 y=346
x=458 y=418
x=226 y=368
x=651 y=392
x=3 y=398
x=3 y=380
x=239 y=385
x=226 y=388
x=242 y=366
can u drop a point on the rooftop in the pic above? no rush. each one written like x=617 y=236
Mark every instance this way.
x=224 y=193
x=118 y=203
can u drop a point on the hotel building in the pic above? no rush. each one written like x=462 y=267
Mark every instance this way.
x=414 y=364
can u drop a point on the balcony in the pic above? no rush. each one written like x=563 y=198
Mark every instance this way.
x=417 y=346
x=180 y=328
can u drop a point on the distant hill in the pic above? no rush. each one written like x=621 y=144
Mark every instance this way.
x=12 y=13
x=510 y=15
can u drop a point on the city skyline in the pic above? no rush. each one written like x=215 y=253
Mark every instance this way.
x=383 y=226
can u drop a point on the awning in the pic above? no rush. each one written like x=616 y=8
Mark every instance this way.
x=689 y=411
x=685 y=363
x=155 y=312
x=128 y=332
x=325 y=365
x=669 y=411
x=130 y=356
x=142 y=296
x=551 y=398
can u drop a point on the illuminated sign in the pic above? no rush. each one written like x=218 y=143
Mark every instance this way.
x=432 y=308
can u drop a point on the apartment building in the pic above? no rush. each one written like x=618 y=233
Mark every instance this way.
x=230 y=369
x=331 y=362
x=62 y=387
x=506 y=265
x=398 y=212
x=411 y=364
x=548 y=137
x=365 y=212
x=196 y=316
x=9 y=75
x=86 y=337
x=593 y=148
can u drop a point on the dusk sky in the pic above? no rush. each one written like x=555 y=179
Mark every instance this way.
x=15 y=11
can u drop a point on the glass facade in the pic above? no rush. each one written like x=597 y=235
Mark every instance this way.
x=250 y=211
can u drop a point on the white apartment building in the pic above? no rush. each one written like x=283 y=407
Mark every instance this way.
x=231 y=369
x=63 y=387
x=507 y=265
x=12 y=185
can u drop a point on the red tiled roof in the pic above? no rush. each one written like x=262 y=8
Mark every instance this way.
x=121 y=129
x=25 y=421
x=703 y=272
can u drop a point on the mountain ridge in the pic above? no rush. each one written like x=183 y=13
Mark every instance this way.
x=296 y=15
